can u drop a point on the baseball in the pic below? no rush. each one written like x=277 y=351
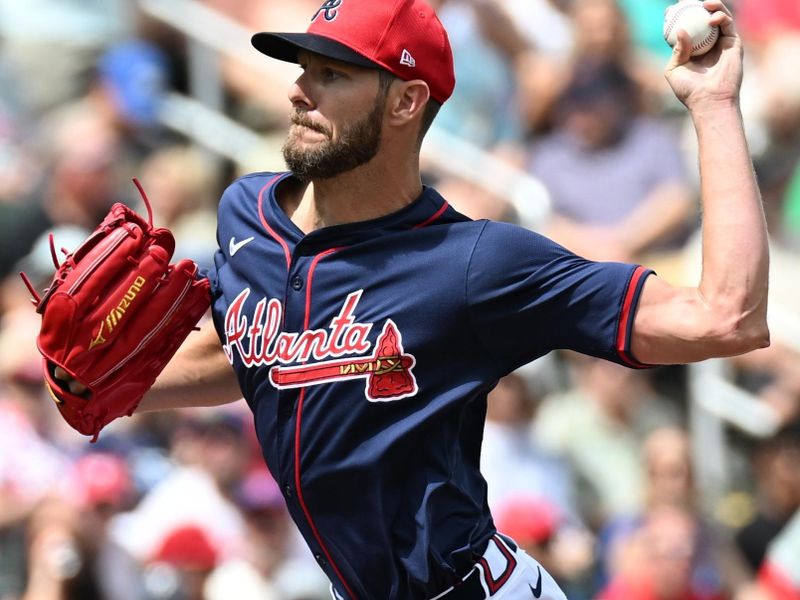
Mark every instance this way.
x=691 y=16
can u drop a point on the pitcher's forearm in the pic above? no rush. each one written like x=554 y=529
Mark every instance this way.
x=735 y=249
x=726 y=314
x=198 y=375
x=188 y=388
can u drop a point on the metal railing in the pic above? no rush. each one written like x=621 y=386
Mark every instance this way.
x=717 y=402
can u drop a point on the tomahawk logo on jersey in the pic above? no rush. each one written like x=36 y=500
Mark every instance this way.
x=366 y=351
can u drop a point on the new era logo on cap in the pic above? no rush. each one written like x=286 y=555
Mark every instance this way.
x=406 y=59
x=404 y=37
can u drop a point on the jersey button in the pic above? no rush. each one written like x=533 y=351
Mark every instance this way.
x=297 y=283
x=287 y=491
x=320 y=559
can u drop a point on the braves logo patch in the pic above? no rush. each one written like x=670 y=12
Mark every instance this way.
x=339 y=353
x=329 y=9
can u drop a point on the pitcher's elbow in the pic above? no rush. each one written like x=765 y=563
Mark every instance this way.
x=746 y=335
x=758 y=337
x=763 y=337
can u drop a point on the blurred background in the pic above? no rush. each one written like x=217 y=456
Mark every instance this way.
x=670 y=484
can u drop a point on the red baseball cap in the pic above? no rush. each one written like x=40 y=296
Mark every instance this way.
x=188 y=546
x=405 y=37
x=528 y=519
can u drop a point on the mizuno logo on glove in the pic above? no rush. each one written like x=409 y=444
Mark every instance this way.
x=116 y=314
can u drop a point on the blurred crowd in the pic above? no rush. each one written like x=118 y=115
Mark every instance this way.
x=590 y=466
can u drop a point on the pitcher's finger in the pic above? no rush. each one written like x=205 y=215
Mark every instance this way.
x=724 y=22
x=717 y=6
x=61 y=374
x=681 y=51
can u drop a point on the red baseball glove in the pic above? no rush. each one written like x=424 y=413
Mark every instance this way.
x=113 y=316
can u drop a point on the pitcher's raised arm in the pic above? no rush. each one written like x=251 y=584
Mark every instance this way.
x=726 y=313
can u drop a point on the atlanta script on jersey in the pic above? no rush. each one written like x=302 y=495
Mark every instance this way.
x=366 y=351
x=388 y=370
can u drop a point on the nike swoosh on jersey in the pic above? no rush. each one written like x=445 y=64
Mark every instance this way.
x=537 y=591
x=235 y=246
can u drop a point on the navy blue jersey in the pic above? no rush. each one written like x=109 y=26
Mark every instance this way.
x=366 y=352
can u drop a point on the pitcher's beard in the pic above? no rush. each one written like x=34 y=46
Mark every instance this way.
x=357 y=145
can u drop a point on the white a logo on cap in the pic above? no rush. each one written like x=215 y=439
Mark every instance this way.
x=329 y=9
x=407 y=60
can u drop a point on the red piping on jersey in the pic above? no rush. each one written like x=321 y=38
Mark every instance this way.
x=311 y=270
x=297 y=430
x=433 y=217
x=625 y=318
x=269 y=229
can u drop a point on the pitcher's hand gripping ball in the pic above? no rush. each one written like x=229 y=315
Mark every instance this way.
x=113 y=316
x=692 y=17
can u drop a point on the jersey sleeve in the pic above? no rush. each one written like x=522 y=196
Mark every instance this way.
x=527 y=295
